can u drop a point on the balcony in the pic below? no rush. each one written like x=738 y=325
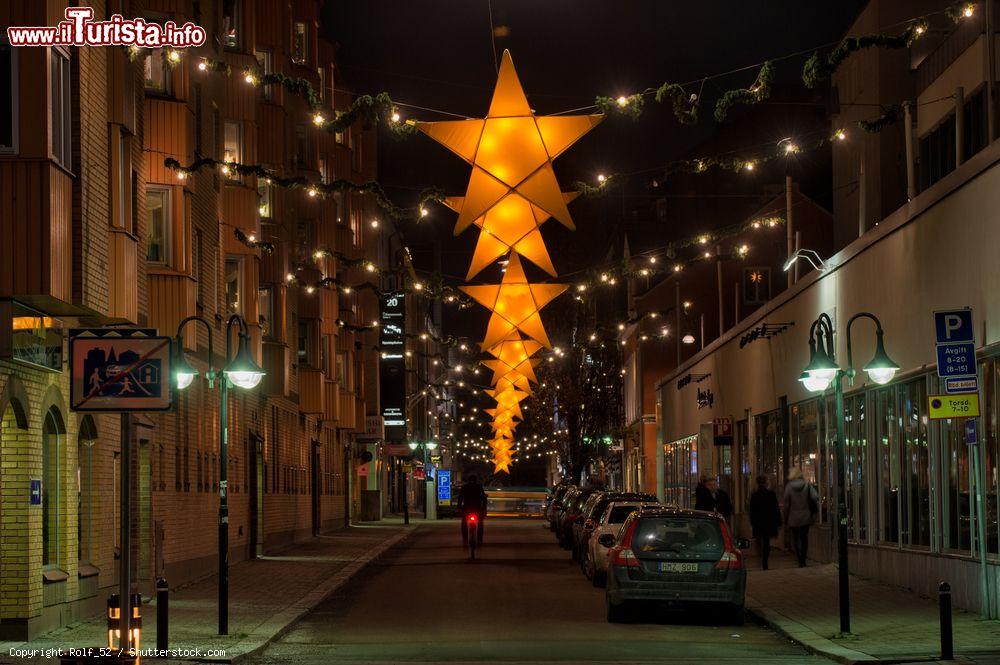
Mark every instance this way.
x=277 y=364
x=332 y=411
x=172 y=296
x=312 y=391
x=348 y=411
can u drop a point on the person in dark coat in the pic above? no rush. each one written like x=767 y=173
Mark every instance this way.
x=708 y=496
x=801 y=508
x=765 y=518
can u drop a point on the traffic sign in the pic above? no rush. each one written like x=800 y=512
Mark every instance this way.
x=956 y=360
x=722 y=431
x=971 y=431
x=444 y=486
x=954 y=325
x=946 y=407
x=969 y=385
x=119 y=369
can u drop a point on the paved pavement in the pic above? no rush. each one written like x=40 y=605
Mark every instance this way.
x=888 y=623
x=522 y=601
x=267 y=596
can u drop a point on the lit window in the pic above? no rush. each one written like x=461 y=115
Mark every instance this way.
x=300 y=42
x=234 y=285
x=264 y=62
x=321 y=71
x=232 y=19
x=356 y=227
x=233 y=147
x=264 y=203
x=8 y=106
x=157 y=224
x=157 y=71
x=338 y=136
x=324 y=170
x=60 y=104
x=265 y=309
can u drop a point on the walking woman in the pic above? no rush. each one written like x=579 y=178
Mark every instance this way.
x=801 y=506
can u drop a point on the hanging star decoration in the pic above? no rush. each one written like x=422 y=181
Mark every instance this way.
x=512 y=192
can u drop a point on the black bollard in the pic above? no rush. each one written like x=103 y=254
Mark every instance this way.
x=162 y=614
x=944 y=603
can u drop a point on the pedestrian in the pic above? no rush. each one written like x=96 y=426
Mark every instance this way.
x=765 y=518
x=801 y=507
x=472 y=499
x=709 y=497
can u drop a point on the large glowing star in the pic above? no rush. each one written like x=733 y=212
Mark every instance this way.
x=515 y=304
x=511 y=150
x=507 y=397
x=510 y=225
x=514 y=355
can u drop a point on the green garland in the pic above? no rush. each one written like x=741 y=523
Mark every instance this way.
x=266 y=247
x=817 y=70
x=891 y=116
x=685 y=106
x=758 y=92
x=630 y=106
x=372 y=187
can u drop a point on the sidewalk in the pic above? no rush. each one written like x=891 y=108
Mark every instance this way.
x=888 y=623
x=267 y=596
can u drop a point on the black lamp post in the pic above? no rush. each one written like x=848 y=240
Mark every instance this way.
x=821 y=371
x=244 y=373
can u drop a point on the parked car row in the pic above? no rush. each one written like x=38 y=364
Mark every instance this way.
x=643 y=551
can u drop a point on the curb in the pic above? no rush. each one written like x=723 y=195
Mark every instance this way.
x=279 y=624
x=804 y=637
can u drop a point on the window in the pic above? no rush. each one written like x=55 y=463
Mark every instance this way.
x=8 y=106
x=232 y=149
x=300 y=42
x=321 y=72
x=264 y=191
x=341 y=369
x=52 y=443
x=61 y=102
x=889 y=463
x=916 y=500
x=266 y=67
x=768 y=433
x=756 y=285
x=85 y=500
x=856 y=461
x=266 y=310
x=356 y=227
x=232 y=23
x=157 y=72
x=937 y=152
x=304 y=343
x=157 y=224
x=324 y=171
x=338 y=136
x=301 y=146
x=234 y=285
x=122 y=179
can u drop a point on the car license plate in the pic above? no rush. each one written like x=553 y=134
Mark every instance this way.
x=672 y=567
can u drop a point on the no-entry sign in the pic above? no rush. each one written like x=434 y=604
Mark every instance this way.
x=114 y=369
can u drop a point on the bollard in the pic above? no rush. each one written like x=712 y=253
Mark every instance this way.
x=162 y=614
x=944 y=603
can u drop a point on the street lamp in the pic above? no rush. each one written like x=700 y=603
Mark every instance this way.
x=243 y=372
x=821 y=371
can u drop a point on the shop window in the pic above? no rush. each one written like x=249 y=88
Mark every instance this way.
x=158 y=224
x=232 y=23
x=856 y=462
x=53 y=441
x=886 y=431
x=958 y=508
x=768 y=433
x=61 y=106
x=990 y=448
x=300 y=42
x=234 y=285
x=916 y=510
x=9 y=105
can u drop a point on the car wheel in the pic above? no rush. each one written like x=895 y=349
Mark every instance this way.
x=616 y=613
x=737 y=615
x=588 y=565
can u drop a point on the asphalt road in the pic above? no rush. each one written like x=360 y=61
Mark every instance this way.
x=523 y=601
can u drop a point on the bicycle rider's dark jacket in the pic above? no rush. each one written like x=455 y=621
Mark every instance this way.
x=472 y=498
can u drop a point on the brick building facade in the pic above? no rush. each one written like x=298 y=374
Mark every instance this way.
x=94 y=230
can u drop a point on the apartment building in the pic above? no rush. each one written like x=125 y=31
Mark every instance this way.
x=97 y=231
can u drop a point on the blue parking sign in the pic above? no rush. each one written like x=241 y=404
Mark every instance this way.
x=952 y=326
x=444 y=485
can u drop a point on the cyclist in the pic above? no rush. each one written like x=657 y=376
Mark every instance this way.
x=472 y=500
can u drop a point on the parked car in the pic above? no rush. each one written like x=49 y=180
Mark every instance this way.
x=595 y=555
x=558 y=492
x=559 y=510
x=677 y=557
x=572 y=512
x=587 y=521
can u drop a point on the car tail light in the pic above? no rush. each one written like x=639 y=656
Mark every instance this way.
x=589 y=525
x=732 y=558
x=622 y=555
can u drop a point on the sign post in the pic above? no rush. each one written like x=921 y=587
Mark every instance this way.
x=955 y=338
x=123 y=370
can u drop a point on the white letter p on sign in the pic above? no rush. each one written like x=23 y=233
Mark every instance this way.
x=952 y=322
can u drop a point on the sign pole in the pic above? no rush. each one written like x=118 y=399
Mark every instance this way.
x=124 y=572
x=224 y=505
x=984 y=588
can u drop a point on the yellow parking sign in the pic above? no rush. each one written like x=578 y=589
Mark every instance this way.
x=943 y=407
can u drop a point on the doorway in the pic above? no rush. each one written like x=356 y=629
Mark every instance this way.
x=256 y=495
x=315 y=484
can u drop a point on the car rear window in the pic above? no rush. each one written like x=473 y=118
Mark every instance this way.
x=678 y=535
x=619 y=513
